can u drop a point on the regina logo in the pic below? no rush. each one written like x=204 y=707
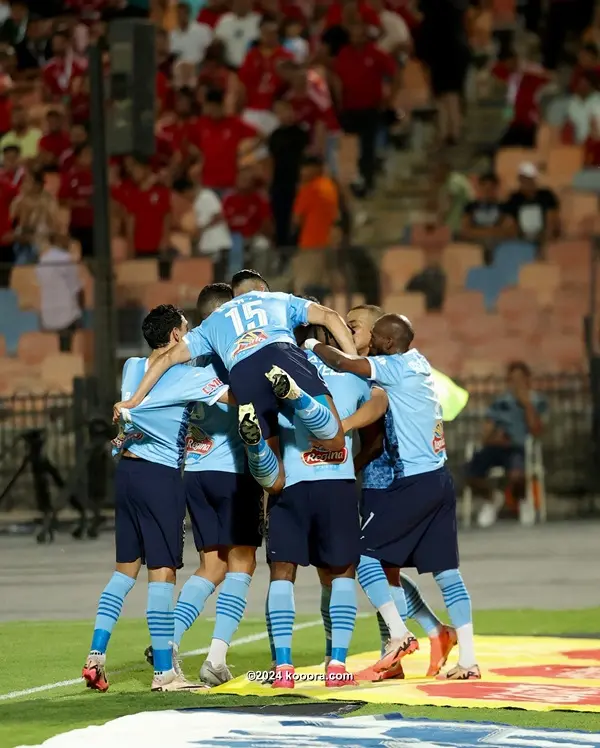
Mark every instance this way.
x=197 y=442
x=123 y=438
x=249 y=340
x=316 y=456
x=439 y=440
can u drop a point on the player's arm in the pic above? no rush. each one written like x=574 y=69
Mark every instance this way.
x=338 y=360
x=371 y=444
x=321 y=315
x=370 y=412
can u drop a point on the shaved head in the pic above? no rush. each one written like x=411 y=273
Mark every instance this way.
x=392 y=333
x=360 y=320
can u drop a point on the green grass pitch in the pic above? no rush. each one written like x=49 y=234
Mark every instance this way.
x=37 y=653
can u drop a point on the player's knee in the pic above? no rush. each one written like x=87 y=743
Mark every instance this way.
x=130 y=570
x=242 y=559
x=282 y=571
x=212 y=567
x=163 y=574
x=324 y=577
x=343 y=571
x=392 y=574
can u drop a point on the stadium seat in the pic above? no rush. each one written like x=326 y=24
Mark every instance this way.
x=83 y=345
x=33 y=347
x=563 y=352
x=573 y=257
x=578 y=211
x=458 y=259
x=508 y=161
x=412 y=305
x=89 y=284
x=137 y=272
x=397 y=267
x=564 y=161
x=430 y=238
x=463 y=305
x=119 y=249
x=181 y=242
x=161 y=292
x=23 y=281
x=59 y=370
x=348 y=159
x=514 y=302
x=475 y=367
x=510 y=256
x=542 y=279
x=2 y=346
x=488 y=281
x=475 y=330
x=341 y=302
x=193 y=271
x=445 y=355
x=432 y=328
x=131 y=295
x=17 y=324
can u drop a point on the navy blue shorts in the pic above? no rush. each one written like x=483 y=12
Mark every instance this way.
x=412 y=523
x=509 y=458
x=149 y=513
x=250 y=385
x=225 y=508
x=315 y=523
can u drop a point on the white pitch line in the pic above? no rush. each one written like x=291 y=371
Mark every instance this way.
x=203 y=650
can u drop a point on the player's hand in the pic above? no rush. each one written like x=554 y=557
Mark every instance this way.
x=118 y=407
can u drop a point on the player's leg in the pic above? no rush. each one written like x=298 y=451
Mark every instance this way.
x=325 y=579
x=264 y=456
x=129 y=551
x=282 y=613
x=372 y=578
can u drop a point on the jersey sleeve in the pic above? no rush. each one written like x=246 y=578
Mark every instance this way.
x=297 y=310
x=386 y=370
x=197 y=343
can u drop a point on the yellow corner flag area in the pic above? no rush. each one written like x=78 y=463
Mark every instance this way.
x=453 y=398
x=532 y=673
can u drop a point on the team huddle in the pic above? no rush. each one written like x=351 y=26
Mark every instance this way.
x=278 y=394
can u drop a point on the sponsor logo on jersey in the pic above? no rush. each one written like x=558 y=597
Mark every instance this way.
x=249 y=340
x=198 y=442
x=123 y=438
x=212 y=386
x=316 y=456
x=439 y=440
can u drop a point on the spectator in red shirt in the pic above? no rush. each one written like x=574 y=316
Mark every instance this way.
x=76 y=191
x=12 y=170
x=62 y=69
x=261 y=78
x=367 y=15
x=588 y=61
x=149 y=207
x=218 y=137
x=179 y=131
x=56 y=142
x=214 y=74
x=79 y=136
x=8 y=192
x=362 y=69
x=524 y=85
x=307 y=111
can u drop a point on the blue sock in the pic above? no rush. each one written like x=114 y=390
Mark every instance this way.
x=282 y=613
x=325 y=615
x=109 y=609
x=231 y=605
x=417 y=608
x=373 y=580
x=317 y=417
x=161 y=623
x=456 y=597
x=342 y=610
x=269 y=629
x=384 y=632
x=399 y=599
x=263 y=463
x=190 y=604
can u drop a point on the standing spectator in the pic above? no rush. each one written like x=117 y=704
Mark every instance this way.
x=362 y=70
x=14 y=28
x=148 y=205
x=12 y=170
x=534 y=209
x=62 y=69
x=588 y=61
x=583 y=112
x=76 y=192
x=361 y=12
x=484 y=219
x=395 y=38
x=26 y=138
x=61 y=292
x=286 y=148
x=6 y=88
x=34 y=51
x=261 y=80
x=78 y=137
x=562 y=17
x=294 y=41
x=238 y=30
x=309 y=111
x=35 y=216
x=218 y=138
x=8 y=193
x=56 y=142
x=179 y=132
x=214 y=74
x=452 y=191
x=190 y=39
x=248 y=216
x=315 y=213
x=165 y=60
x=212 y=12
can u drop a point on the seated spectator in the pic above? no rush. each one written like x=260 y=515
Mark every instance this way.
x=12 y=170
x=22 y=135
x=588 y=61
x=316 y=210
x=534 y=209
x=190 y=39
x=35 y=217
x=63 y=68
x=76 y=192
x=248 y=216
x=61 y=291
x=287 y=144
x=362 y=12
x=484 y=219
x=583 y=113
x=238 y=30
x=56 y=142
x=524 y=86
x=452 y=192
x=511 y=418
x=294 y=41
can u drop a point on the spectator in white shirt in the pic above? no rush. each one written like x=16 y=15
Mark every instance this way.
x=189 y=40
x=395 y=36
x=237 y=30
x=61 y=292
x=583 y=111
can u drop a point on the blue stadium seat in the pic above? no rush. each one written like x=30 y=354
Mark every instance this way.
x=508 y=258
x=20 y=322
x=488 y=281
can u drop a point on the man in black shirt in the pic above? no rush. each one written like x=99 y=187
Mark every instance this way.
x=534 y=209
x=485 y=218
x=287 y=144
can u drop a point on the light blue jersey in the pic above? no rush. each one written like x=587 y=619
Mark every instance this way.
x=246 y=324
x=414 y=415
x=301 y=460
x=212 y=441
x=156 y=430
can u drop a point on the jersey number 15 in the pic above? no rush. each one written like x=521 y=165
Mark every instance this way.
x=253 y=317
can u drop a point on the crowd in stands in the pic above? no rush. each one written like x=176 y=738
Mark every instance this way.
x=273 y=118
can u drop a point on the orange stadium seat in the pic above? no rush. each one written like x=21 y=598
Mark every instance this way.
x=119 y=249
x=161 y=292
x=476 y=367
x=432 y=328
x=508 y=161
x=547 y=137
x=23 y=281
x=83 y=345
x=445 y=355
x=397 y=267
x=137 y=272
x=542 y=279
x=193 y=271
x=33 y=347
x=573 y=257
x=463 y=305
x=59 y=370
x=578 y=213
x=182 y=243
x=412 y=305
x=348 y=159
x=514 y=302
x=458 y=259
x=564 y=352
x=476 y=329
x=430 y=239
x=564 y=161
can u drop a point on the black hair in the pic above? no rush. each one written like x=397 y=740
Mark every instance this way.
x=247 y=275
x=160 y=323
x=304 y=332
x=267 y=19
x=211 y=297
x=518 y=366
x=214 y=96
x=312 y=161
x=489 y=176
x=183 y=184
